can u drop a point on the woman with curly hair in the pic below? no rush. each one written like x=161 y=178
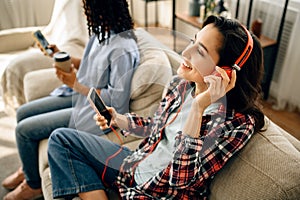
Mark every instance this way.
x=108 y=64
x=209 y=113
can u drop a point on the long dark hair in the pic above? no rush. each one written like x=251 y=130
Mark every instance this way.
x=104 y=16
x=245 y=97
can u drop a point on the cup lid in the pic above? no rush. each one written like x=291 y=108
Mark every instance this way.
x=61 y=56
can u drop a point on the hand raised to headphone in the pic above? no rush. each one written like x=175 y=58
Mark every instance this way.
x=217 y=87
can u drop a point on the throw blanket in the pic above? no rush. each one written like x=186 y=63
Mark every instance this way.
x=67 y=29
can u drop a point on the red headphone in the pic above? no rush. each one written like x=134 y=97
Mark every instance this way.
x=243 y=57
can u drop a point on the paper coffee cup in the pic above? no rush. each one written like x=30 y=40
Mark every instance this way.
x=63 y=61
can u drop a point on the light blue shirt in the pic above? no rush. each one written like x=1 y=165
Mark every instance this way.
x=108 y=66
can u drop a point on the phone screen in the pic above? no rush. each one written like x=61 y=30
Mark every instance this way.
x=43 y=42
x=98 y=104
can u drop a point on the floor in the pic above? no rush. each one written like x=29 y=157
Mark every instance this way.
x=9 y=159
x=289 y=121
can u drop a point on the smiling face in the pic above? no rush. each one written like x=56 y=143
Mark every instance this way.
x=201 y=56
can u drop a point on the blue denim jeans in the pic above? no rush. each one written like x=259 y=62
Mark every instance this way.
x=81 y=162
x=35 y=122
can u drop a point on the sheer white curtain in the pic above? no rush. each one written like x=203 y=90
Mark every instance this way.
x=287 y=90
x=285 y=86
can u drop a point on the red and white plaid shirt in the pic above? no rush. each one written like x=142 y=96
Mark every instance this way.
x=195 y=160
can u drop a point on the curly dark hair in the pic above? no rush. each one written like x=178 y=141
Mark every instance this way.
x=104 y=16
x=246 y=96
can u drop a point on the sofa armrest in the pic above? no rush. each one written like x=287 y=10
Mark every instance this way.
x=40 y=83
x=16 y=39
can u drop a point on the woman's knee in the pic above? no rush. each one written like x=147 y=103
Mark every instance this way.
x=22 y=112
x=27 y=110
x=32 y=128
x=61 y=135
x=23 y=129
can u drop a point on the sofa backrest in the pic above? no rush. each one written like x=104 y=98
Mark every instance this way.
x=268 y=167
x=147 y=41
x=152 y=75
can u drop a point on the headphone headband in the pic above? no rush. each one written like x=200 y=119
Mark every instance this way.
x=246 y=53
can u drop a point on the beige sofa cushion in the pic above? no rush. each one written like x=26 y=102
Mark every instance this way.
x=40 y=82
x=149 y=80
x=157 y=63
x=147 y=41
x=16 y=39
x=267 y=168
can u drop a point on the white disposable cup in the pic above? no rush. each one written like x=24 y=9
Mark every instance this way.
x=63 y=61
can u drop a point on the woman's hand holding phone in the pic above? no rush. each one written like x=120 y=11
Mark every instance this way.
x=54 y=48
x=43 y=44
x=102 y=122
x=116 y=120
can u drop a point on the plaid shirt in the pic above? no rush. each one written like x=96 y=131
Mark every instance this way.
x=195 y=160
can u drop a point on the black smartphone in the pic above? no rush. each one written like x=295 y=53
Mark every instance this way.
x=98 y=104
x=39 y=37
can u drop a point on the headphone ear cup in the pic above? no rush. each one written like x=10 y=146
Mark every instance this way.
x=228 y=70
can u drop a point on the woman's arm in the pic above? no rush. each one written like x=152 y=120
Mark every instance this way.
x=138 y=126
x=194 y=120
x=76 y=62
x=201 y=158
x=70 y=79
x=131 y=124
x=191 y=141
x=217 y=87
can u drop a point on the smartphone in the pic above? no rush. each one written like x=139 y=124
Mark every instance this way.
x=39 y=37
x=98 y=104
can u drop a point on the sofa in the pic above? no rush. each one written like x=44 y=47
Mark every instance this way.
x=61 y=21
x=267 y=168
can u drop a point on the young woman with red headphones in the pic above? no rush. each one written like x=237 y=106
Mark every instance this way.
x=209 y=113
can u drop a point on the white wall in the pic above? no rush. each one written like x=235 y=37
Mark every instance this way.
x=164 y=12
x=23 y=13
